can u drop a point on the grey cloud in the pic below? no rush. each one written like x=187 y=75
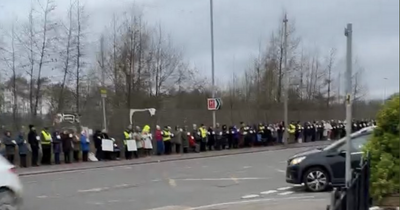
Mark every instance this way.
x=240 y=25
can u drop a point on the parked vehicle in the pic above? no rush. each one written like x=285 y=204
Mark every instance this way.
x=320 y=168
x=10 y=186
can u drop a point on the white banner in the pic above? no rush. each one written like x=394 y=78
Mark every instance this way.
x=131 y=145
x=107 y=145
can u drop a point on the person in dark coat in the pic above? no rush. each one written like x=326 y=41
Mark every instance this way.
x=97 y=139
x=22 y=148
x=34 y=140
x=66 y=139
x=57 y=146
x=211 y=138
x=10 y=146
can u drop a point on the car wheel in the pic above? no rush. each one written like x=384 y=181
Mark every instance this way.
x=7 y=200
x=316 y=180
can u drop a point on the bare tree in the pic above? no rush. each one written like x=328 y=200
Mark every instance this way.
x=66 y=56
x=331 y=60
x=46 y=27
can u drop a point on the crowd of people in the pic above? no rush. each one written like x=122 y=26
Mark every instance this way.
x=76 y=146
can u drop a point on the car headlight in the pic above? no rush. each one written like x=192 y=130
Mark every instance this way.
x=297 y=160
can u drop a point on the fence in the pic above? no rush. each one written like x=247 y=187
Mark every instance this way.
x=356 y=196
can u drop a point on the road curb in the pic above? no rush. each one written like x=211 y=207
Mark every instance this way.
x=238 y=152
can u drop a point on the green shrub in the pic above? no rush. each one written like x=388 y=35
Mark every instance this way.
x=384 y=151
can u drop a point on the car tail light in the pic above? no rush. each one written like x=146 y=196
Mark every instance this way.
x=13 y=170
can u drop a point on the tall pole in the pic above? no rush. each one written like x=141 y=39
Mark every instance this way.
x=286 y=82
x=212 y=59
x=103 y=90
x=348 y=33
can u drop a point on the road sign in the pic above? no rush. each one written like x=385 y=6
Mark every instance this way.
x=103 y=93
x=214 y=104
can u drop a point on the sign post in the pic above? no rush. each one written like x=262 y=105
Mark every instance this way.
x=214 y=104
x=103 y=93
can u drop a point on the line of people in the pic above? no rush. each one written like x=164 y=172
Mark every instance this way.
x=49 y=145
x=178 y=140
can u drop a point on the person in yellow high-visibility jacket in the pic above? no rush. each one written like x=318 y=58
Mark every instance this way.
x=147 y=138
x=203 y=134
x=127 y=136
x=166 y=136
x=292 y=131
x=46 y=141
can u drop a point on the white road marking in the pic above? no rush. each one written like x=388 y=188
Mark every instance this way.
x=155 y=180
x=224 y=179
x=113 y=201
x=246 y=167
x=42 y=196
x=172 y=208
x=250 y=196
x=121 y=185
x=286 y=193
x=283 y=188
x=95 y=203
x=91 y=190
x=268 y=192
x=172 y=183
x=280 y=171
x=250 y=201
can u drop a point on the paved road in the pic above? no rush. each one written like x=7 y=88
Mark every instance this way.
x=210 y=183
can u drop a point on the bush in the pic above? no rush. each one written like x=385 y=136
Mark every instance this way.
x=384 y=151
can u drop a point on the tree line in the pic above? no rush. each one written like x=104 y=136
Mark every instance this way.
x=47 y=67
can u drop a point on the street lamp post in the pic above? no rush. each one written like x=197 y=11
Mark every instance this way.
x=212 y=59
x=286 y=82
x=348 y=32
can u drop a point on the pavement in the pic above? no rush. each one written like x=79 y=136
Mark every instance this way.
x=251 y=180
x=155 y=159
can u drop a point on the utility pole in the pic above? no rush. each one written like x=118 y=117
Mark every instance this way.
x=103 y=90
x=339 y=91
x=212 y=60
x=286 y=82
x=348 y=32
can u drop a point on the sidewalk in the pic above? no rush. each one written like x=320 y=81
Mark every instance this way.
x=156 y=159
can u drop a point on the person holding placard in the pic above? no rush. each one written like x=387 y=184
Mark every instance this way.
x=127 y=137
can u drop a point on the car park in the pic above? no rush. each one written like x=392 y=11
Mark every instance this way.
x=320 y=168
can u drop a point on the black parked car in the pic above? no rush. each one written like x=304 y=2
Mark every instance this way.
x=320 y=168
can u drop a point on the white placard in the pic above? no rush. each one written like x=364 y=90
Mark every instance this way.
x=107 y=145
x=131 y=145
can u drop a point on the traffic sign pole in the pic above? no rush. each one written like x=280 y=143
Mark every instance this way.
x=103 y=93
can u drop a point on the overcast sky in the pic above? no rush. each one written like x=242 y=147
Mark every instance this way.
x=240 y=25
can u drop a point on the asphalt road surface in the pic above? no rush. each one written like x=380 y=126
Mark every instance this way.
x=246 y=181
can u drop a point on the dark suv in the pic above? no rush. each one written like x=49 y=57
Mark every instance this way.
x=319 y=168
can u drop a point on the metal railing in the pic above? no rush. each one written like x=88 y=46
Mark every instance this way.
x=357 y=193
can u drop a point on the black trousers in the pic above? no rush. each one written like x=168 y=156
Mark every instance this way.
x=76 y=155
x=67 y=156
x=35 y=156
x=177 y=148
x=202 y=145
x=10 y=158
x=46 y=158
x=22 y=161
x=99 y=154
x=211 y=143
x=85 y=156
x=167 y=147
x=128 y=154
